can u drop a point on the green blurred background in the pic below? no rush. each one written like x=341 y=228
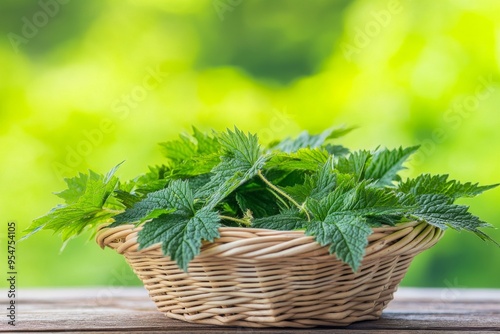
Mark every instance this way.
x=89 y=84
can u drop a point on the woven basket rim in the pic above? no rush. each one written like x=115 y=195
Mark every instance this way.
x=398 y=226
x=275 y=243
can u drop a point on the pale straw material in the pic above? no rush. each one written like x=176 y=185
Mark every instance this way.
x=265 y=278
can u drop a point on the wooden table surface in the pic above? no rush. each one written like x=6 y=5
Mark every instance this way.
x=129 y=310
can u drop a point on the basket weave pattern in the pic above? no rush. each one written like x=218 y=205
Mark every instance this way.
x=265 y=278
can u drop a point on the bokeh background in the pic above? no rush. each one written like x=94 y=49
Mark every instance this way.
x=87 y=84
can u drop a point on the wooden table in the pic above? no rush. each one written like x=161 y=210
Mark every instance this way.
x=129 y=310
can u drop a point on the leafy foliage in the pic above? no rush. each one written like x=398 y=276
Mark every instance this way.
x=181 y=231
x=386 y=164
x=305 y=140
x=227 y=179
x=439 y=184
x=85 y=199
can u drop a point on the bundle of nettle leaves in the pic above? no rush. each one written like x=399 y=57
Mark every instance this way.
x=227 y=179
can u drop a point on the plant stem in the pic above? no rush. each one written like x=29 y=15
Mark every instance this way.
x=279 y=198
x=239 y=221
x=284 y=194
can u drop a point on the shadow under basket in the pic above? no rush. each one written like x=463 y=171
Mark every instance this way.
x=265 y=278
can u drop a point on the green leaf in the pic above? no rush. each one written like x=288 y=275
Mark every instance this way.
x=346 y=235
x=259 y=201
x=336 y=150
x=125 y=198
x=180 y=234
x=367 y=200
x=316 y=185
x=227 y=177
x=384 y=219
x=76 y=188
x=286 y=221
x=69 y=221
x=241 y=161
x=336 y=200
x=386 y=164
x=439 y=184
x=155 y=179
x=301 y=191
x=305 y=140
x=439 y=211
x=192 y=155
x=239 y=146
x=361 y=199
x=303 y=159
x=325 y=180
x=180 y=149
x=177 y=196
x=86 y=197
x=206 y=144
x=340 y=218
x=355 y=164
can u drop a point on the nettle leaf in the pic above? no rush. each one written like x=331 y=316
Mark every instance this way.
x=192 y=155
x=126 y=198
x=286 y=178
x=439 y=211
x=195 y=166
x=86 y=197
x=286 y=221
x=316 y=185
x=355 y=164
x=76 y=187
x=384 y=219
x=69 y=221
x=227 y=177
x=180 y=149
x=241 y=161
x=368 y=200
x=206 y=144
x=342 y=219
x=305 y=140
x=303 y=159
x=324 y=180
x=98 y=188
x=336 y=150
x=336 y=200
x=346 y=235
x=240 y=146
x=178 y=196
x=439 y=184
x=385 y=165
x=180 y=234
x=155 y=179
x=260 y=202
x=301 y=191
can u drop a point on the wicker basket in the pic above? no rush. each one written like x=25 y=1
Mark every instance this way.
x=264 y=278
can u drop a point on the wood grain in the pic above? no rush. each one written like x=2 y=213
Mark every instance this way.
x=129 y=310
